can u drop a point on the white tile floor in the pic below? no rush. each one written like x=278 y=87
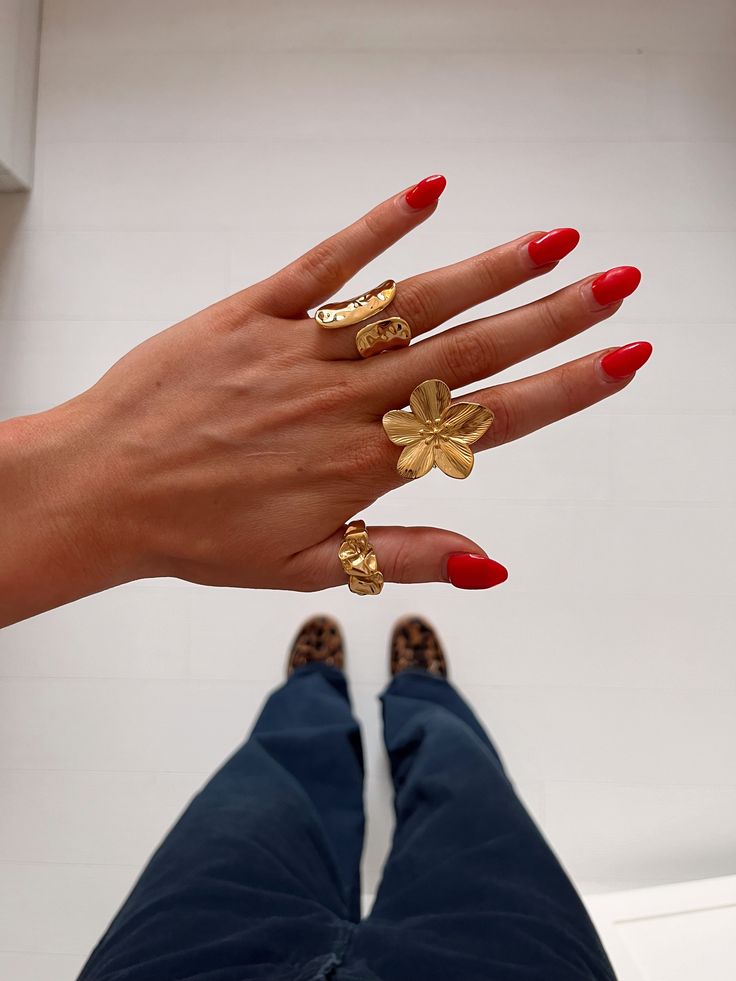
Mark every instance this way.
x=186 y=149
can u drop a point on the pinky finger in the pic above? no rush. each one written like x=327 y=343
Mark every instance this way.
x=405 y=555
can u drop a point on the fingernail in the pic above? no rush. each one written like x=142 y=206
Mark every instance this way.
x=624 y=361
x=553 y=246
x=615 y=284
x=468 y=571
x=426 y=192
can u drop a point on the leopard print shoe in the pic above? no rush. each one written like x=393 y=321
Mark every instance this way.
x=414 y=645
x=319 y=640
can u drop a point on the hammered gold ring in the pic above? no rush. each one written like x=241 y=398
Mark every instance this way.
x=345 y=313
x=385 y=334
x=382 y=335
x=436 y=432
x=359 y=561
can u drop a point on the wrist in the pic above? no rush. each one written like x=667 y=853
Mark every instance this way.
x=63 y=530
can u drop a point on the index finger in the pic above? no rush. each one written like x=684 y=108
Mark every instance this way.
x=315 y=276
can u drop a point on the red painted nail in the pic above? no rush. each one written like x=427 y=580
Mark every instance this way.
x=553 y=246
x=468 y=571
x=426 y=192
x=615 y=284
x=624 y=361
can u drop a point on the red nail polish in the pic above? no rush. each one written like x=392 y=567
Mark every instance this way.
x=615 y=284
x=468 y=571
x=426 y=192
x=553 y=246
x=624 y=361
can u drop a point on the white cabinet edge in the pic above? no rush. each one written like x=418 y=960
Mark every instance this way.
x=19 y=50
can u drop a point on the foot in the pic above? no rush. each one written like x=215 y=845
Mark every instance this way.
x=415 y=646
x=319 y=641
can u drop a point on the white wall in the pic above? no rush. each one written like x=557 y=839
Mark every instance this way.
x=185 y=149
x=20 y=23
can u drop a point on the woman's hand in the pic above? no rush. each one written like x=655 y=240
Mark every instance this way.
x=231 y=448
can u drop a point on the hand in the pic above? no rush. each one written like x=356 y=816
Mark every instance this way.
x=231 y=448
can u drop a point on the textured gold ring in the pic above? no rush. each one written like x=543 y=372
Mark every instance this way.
x=346 y=313
x=436 y=432
x=382 y=335
x=385 y=334
x=359 y=561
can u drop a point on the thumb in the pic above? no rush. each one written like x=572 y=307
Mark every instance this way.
x=406 y=555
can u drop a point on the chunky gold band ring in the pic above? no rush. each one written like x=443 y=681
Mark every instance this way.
x=436 y=433
x=359 y=561
x=386 y=334
x=348 y=312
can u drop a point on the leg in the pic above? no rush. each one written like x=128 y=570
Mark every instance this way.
x=259 y=877
x=471 y=889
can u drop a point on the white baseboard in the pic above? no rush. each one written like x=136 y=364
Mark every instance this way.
x=685 y=931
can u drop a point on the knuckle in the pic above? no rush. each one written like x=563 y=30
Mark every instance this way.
x=468 y=353
x=418 y=306
x=489 y=269
x=325 y=266
x=568 y=382
x=374 y=225
x=505 y=422
x=552 y=320
x=230 y=314
x=401 y=563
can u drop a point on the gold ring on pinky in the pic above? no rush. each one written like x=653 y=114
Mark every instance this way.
x=359 y=561
x=436 y=432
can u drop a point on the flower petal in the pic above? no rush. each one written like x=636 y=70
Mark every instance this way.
x=454 y=458
x=416 y=460
x=466 y=421
x=430 y=399
x=402 y=428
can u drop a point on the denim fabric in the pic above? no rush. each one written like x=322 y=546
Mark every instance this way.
x=260 y=876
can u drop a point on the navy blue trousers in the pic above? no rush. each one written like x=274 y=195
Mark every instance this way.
x=260 y=876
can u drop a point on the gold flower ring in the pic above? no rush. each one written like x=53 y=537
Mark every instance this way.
x=385 y=334
x=436 y=433
x=358 y=559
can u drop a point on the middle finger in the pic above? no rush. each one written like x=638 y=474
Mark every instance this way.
x=429 y=299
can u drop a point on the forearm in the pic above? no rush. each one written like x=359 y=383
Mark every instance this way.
x=59 y=534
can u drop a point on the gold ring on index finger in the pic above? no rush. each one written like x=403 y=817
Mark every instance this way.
x=384 y=334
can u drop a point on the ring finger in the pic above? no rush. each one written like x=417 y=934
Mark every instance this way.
x=520 y=408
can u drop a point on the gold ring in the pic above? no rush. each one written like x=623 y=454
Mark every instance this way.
x=382 y=335
x=436 y=432
x=358 y=559
x=386 y=334
x=350 y=312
